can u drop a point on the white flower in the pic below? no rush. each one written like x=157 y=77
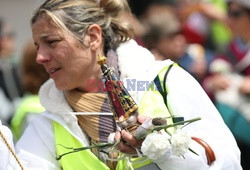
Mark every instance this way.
x=180 y=143
x=111 y=137
x=156 y=147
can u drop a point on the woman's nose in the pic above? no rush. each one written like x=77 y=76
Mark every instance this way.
x=42 y=57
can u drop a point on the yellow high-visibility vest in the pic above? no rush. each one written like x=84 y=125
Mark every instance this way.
x=29 y=105
x=152 y=105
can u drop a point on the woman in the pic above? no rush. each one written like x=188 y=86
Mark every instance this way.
x=69 y=36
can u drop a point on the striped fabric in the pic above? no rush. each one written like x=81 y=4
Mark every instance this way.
x=97 y=127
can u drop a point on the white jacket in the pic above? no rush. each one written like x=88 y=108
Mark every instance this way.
x=36 y=148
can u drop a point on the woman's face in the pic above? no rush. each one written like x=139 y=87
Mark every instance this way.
x=66 y=59
x=239 y=20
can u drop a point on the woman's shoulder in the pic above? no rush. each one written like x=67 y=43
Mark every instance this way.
x=133 y=59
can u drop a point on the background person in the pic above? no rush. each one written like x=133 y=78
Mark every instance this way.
x=33 y=75
x=164 y=38
x=69 y=36
x=6 y=109
x=9 y=71
x=229 y=83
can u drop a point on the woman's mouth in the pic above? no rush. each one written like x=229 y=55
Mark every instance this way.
x=52 y=72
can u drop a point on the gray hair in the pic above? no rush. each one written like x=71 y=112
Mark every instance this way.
x=76 y=16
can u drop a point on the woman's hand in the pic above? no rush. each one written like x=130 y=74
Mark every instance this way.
x=128 y=141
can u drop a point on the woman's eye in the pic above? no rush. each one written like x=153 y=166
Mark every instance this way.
x=51 y=42
x=37 y=46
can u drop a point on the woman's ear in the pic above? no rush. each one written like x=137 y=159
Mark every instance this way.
x=94 y=36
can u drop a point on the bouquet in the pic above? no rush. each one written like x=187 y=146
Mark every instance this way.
x=158 y=144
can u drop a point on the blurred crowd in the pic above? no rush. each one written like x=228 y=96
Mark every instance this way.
x=20 y=80
x=208 y=38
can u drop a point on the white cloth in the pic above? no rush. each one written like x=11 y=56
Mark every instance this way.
x=36 y=148
x=187 y=98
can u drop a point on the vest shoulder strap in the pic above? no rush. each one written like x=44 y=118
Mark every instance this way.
x=160 y=82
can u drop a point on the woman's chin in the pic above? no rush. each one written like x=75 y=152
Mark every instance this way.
x=61 y=86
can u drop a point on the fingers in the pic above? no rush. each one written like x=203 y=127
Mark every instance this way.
x=141 y=119
x=128 y=142
x=122 y=146
x=117 y=136
x=126 y=148
x=130 y=139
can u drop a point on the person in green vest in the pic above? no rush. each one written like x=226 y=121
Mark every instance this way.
x=69 y=36
x=33 y=76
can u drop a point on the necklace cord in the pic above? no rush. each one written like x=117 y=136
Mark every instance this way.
x=11 y=150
